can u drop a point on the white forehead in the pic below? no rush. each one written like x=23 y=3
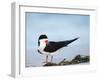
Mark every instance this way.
x=42 y=40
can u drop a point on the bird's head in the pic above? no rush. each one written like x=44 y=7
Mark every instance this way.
x=43 y=40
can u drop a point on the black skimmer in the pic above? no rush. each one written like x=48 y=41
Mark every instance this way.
x=50 y=47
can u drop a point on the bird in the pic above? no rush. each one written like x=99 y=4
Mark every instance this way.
x=49 y=48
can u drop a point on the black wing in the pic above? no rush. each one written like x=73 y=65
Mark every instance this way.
x=54 y=46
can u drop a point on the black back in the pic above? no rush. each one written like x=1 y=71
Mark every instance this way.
x=54 y=46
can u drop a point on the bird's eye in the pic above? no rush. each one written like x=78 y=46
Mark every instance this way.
x=46 y=41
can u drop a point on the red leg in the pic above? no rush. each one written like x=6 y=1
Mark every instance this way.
x=47 y=59
x=51 y=58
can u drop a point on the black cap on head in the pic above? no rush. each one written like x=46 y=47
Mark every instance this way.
x=43 y=37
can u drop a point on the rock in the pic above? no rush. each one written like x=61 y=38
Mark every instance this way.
x=76 y=60
x=50 y=64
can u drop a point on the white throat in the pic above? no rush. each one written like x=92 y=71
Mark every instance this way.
x=42 y=44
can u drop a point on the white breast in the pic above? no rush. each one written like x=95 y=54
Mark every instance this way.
x=42 y=46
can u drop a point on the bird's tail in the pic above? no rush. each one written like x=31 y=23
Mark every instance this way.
x=70 y=41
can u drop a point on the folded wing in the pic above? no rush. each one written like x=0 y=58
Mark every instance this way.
x=54 y=46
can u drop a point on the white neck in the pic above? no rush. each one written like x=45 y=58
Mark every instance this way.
x=42 y=43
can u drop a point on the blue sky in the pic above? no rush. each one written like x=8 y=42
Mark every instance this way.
x=57 y=27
